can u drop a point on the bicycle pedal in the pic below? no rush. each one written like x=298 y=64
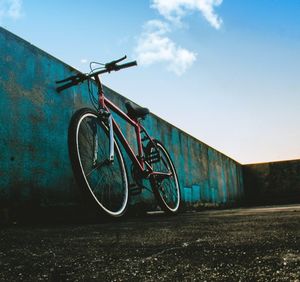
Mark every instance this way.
x=134 y=189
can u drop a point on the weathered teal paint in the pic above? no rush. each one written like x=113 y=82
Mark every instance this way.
x=196 y=193
x=34 y=118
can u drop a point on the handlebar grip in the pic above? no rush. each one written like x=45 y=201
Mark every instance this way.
x=66 y=79
x=127 y=65
x=63 y=87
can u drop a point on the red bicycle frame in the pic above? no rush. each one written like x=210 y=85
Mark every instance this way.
x=139 y=160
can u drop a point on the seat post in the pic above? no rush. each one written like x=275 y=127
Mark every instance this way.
x=139 y=142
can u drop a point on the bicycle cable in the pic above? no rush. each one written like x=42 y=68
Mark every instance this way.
x=92 y=96
x=96 y=63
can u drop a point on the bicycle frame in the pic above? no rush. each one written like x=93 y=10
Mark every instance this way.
x=139 y=162
x=110 y=187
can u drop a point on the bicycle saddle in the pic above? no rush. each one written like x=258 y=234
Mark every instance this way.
x=135 y=111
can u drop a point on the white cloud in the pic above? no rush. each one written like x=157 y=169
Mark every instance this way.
x=155 y=46
x=175 y=10
x=83 y=61
x=10 y=9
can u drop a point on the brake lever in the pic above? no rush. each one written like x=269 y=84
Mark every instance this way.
x=71 y=78
x=74 y=78
x=112 y=65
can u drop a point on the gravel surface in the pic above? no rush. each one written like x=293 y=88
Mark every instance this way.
x=258 y=244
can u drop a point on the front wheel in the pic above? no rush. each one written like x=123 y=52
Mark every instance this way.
x=165 y=188
x=104 y=181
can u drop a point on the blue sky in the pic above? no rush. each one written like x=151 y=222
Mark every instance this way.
x=227 y=72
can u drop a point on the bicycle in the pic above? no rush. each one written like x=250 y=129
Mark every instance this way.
x=94 y=140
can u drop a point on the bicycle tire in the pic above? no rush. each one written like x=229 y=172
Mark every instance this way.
x=166 y=192
x=104 y=182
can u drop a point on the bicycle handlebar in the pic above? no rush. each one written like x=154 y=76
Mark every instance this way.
x=63 y=87
x=112 y=64
x=76 y=79
x=124 y=66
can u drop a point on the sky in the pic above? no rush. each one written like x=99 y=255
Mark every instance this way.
x=225 y=71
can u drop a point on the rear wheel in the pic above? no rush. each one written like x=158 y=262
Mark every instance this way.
x=104 y=181
x=165 y=188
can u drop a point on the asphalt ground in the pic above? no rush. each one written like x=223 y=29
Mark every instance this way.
x=255 y=244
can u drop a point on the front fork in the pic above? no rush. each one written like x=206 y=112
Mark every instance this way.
x=107 y=117
x=111 y=139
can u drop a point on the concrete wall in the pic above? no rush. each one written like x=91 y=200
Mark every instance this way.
x=272 y=183
x=34 y=164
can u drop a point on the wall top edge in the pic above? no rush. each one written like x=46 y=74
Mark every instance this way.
x=7 y=33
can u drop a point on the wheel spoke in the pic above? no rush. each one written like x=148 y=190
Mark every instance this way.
x=165 y=188
x=105 y=181
x=105 y=162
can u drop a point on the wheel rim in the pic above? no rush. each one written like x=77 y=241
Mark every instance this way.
x=168 y=189
x=107 y=182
